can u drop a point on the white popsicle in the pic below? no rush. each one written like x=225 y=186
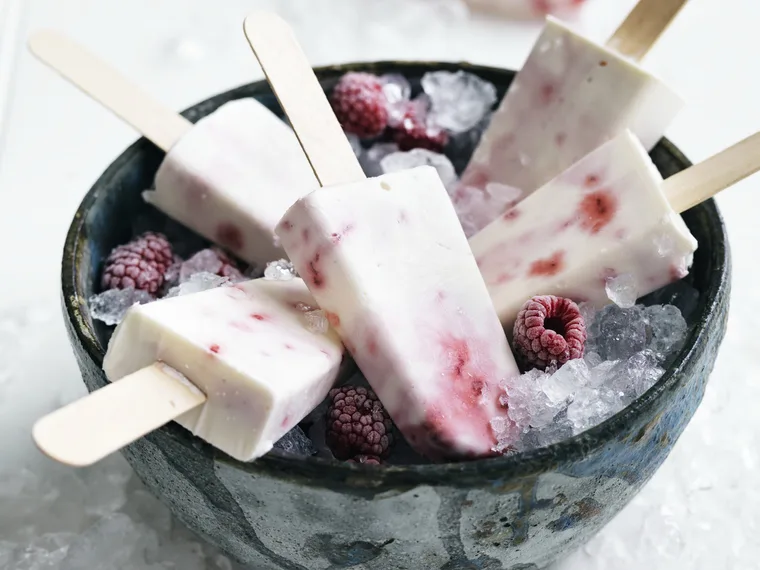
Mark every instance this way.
x=571 y=96
x=246 y=351
x=387 y=260
x=230 y=177
x=610 y=214
x=604 y=216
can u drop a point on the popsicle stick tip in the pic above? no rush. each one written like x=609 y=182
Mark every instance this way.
x=40 y=39
x=43 y=435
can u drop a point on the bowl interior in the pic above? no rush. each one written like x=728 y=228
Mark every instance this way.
x=113 y=211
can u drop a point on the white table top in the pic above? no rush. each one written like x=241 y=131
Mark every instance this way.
x=704 y=503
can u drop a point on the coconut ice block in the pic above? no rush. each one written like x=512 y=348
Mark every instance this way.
x=387 y=260
x=247 y=347
x=605 y=216
x=571 y=96
x=232 y=176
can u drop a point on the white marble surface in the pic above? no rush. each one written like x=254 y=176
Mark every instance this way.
x=701 y=510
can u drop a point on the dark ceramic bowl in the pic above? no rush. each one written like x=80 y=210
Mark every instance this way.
x=518 y=512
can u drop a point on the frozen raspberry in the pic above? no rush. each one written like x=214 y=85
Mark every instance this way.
x=357 y=423
x=414 y=132
x=360 y=104
x=141 y=263
x=549 y=329
x=368 y=459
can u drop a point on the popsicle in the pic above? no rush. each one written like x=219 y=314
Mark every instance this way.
x=609 y=214
x=237 y=366
x=571 y=96
x=388 y=261
x=229 y=177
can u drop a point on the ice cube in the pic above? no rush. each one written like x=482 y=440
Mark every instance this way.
x=316 y=321
x=280 y=270
x=622 y=290
x=459 y=100
x=397 y=92
x=667 y=329
x=111 y=306
x=371 y=159
x=398 y=161
x=560 y=386
x=633 y=376
x=617 y=333
x=198 y=282
x=296 y=442
x=396 y=88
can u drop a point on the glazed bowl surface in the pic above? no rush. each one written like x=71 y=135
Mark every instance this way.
x=283 y=512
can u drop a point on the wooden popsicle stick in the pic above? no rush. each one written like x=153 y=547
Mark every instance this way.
x=106 y=420
x=706 y=179
x=302 y=98
x=156 y=122
x=644 y=25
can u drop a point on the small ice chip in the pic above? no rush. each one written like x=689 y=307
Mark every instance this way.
x=316 y=321
x=396 y=88
x=111 y=306
x=280 y=270
x=622 y=290
x=667 y=329
x=458 y=100
x=197 y=283
x=398 y=161
x=296 y=442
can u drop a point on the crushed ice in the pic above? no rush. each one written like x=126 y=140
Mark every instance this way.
x=280 y=270
x=198 y=282
x=398 y=161
x=626 y=354
x=111 y=306
x=458 y=101
x=622 y=290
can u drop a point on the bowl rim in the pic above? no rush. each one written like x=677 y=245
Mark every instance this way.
x=318 y=471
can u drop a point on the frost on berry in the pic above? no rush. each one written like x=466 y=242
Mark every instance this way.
x=360 y=104
x=357 y=423
x=140 y=264
x=549 y=330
